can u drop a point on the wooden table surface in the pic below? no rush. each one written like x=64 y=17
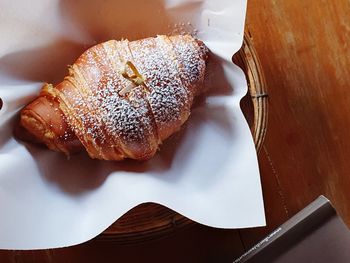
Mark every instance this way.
x=304 y=48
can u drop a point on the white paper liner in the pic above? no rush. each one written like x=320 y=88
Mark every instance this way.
x=207 y=172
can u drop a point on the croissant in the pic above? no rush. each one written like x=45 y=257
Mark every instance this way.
x=121 y=99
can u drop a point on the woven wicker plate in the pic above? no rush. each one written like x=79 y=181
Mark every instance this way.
x=150 y=221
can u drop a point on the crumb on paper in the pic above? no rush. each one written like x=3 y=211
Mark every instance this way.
x=182 y=28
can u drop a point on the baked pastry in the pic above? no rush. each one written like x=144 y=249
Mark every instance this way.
x=121 y=99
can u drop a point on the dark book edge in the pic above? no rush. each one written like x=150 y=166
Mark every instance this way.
x=311 y=216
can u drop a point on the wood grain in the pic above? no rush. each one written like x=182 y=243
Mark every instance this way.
x=304 y=50
x=194 y=244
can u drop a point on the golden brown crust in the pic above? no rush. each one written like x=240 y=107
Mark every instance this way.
x=113 y=112
x=45 y=121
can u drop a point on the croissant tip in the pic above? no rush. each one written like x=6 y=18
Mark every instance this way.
x=203 y=48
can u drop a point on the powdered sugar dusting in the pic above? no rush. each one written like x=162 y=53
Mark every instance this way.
x=126 y=125
x=169 y=98
x=192 y=58
x=183 y=28
x=75 y=114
